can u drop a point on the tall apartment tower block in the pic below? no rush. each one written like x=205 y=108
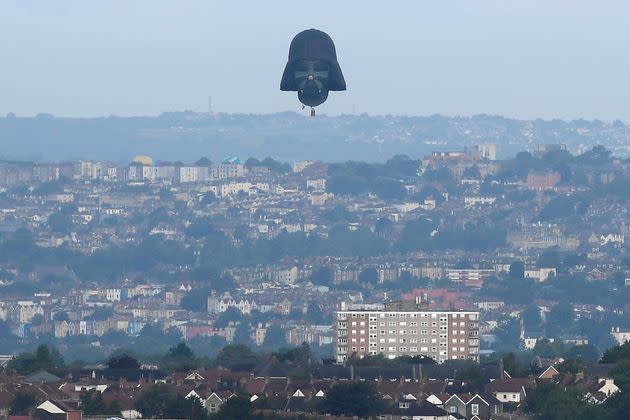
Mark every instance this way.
x=403 y=331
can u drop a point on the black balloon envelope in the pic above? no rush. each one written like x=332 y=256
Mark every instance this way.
x=312 y=70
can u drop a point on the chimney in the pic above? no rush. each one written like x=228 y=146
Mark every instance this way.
x=420 y=372
x=351 y=373
x=501 y=374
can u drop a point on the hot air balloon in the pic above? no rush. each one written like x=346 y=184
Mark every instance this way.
x=312 y=70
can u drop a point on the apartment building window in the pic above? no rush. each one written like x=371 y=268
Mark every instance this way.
x=403 y=315
x=424 y=332
x=413 y=324
x=413 y=340
x=413 y=315
x=393 y=349
x=362 y=315
x=402 y=332
x=382 y=331
x=413 y=349
x=434 y=324
x=362 y=332
x=354 y=315
x=424 y=324
x=424 y=349
x=413 y=332
x=403 y=349
x=382 y=324
x=433 y=332
x=381 y=348
x=454 y=340
x=362 y=340
x=354 y=349
x=391 y=332
x=403 y=324
x=354 y=323
x=391 y=340
x=362 y=323
x=381 y=315
x=461 y=349
x=423 y=340
x=382 y=340
x=454 y=324
x=454 y=349
x=354 y=331
x=362 y=349
x=354 y=340
x=392 y=315
x=392 y=324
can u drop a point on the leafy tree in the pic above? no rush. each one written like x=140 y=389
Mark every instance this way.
x=531 y=316
x=60 y=222
x=617 y=354
x=353 y=399
x=42 y=359
x=512 y=365
x=237 y=357
x=242 y=334
x=323 y=276
x=61 y=316
x=236 y=408
x=22 y=403
x=572 y=365
x=38 y=319
x=517 y=270
x=368 y=276
x=275 y=338
x=231 y=314
x=203 y=161
x=388 y=188
x=123 y=361
x=586 y=352
x=92 y=403
x=196 y=300
x=560 y=317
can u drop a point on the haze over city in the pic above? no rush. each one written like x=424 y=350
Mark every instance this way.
x=326 y=210
x=523 y=59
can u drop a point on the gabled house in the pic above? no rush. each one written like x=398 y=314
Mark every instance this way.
x=214 y=402
x=456 y=404
x=482 y=407
x=549 y=373
x=508 y=390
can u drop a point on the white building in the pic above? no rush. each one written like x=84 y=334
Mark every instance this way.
x=193 y=174
x=441 y=335
x=478 y=201
x=487 y=151
x=112 y=295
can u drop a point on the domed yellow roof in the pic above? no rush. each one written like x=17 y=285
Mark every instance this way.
x=143 y=160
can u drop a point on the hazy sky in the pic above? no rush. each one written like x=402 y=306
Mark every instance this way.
x=520 y=58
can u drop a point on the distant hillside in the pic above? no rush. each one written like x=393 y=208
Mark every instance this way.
x=288 y=136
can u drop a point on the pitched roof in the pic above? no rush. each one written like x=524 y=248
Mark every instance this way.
x=41 y=376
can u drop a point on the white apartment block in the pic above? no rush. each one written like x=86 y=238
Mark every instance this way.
x=441 y=335
x=487 y=151
x=193 y=174
x=228 y=170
